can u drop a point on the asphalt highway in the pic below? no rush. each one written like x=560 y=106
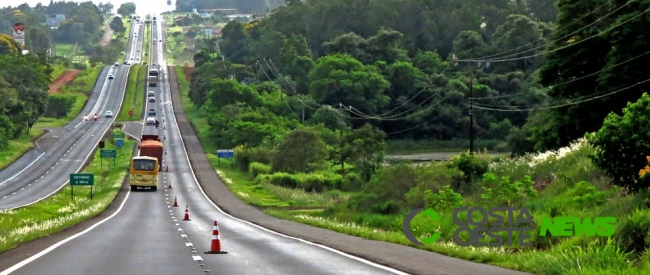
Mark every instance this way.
x=44 y=170
x=147 y=235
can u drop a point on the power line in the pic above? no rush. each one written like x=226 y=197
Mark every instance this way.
x=565 y=104
x=570 y=81
x=423 y=123
x=559 y=48
x=542 y=39
x=363 y=116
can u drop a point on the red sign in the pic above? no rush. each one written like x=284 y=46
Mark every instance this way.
x=130 y=112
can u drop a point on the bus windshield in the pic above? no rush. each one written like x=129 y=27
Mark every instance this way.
x=144 y=165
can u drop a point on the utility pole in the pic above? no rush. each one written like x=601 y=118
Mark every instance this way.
x=341 y=126
x=480 y=65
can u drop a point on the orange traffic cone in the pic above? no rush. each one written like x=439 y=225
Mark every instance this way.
x=215 y=247
x=165 y=152
x=167 y=170
x=170 y=185
x=187 y=213
x=175 y=201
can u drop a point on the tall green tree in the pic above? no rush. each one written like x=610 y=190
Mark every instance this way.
x=566 y=62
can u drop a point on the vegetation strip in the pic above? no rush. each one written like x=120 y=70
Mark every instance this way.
x=59 y=212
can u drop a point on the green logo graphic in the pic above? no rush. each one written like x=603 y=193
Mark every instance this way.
x=406 y=226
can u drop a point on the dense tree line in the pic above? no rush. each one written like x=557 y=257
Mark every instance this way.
x=82 y=24
x=242 y=6
x=392 y=78
x=24 y=83
x=393 y=62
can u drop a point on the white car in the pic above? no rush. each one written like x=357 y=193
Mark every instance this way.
x=152 y=99
x=110 y=76
x=151 y=121
x=108 y=114
x=151 y=93
x=117 y=64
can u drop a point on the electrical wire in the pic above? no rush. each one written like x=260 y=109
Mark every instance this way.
x=542 y=39
x=421 y=124
x=567 y=82
x=562 y=105
x=559 y=48
x=564 y=37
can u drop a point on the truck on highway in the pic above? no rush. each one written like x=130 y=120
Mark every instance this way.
x=153 y=75
x=151 y=146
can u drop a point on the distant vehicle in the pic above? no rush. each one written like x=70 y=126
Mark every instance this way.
x=117 y=64
x=108 y=114
x=154 y=42
x=110 y=76
x=151 y=93
x=138 y=50
x=152 y=112
x=144 y=169
x=151 y=146
x=153 y=75
x=151 y=121
x=152 y=99
x=159 y=40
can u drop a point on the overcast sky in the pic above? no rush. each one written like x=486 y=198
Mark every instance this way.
x=142 y=6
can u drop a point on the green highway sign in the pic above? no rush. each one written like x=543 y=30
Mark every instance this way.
x=107 y=154
x=120 y=135
x=82 y=179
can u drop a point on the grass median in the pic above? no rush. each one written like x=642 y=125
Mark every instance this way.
x=133 y=99
x=59 y=212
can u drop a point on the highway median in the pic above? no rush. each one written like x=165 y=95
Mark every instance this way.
x=60 y=211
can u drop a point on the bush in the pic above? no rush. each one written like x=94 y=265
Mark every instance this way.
x=445 y=199
x=256 y=168
x=312 y=182
x=586 y=195
x=472 y=166
x=431 y=177
x=632 y=233
x=245 y=155
x=622 y=142
x=502 y=192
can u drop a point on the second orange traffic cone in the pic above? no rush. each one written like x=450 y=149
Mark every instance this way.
x=175 y=201
x=215 y=246
x=167 y=170
x=187 y=213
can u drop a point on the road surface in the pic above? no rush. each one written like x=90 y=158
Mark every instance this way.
x=44 y=170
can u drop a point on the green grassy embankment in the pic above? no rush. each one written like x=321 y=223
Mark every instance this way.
x=132 y=97
x=59 y=212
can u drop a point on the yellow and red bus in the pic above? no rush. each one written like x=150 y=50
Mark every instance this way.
x=144 y=172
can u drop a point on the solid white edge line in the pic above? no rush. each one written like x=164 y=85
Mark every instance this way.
x=196 y=181
x=41 y=155
x=54 y=246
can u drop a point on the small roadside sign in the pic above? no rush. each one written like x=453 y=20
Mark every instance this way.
x=107 y=154
x=226 y=153
x=81 y=180
x=118 y=135
x=119 y=143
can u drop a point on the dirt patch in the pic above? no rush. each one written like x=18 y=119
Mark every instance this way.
x=187 y=70
x=108 y=34
x=65 y=78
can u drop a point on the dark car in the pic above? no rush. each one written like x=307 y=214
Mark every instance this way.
x=152 y=112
